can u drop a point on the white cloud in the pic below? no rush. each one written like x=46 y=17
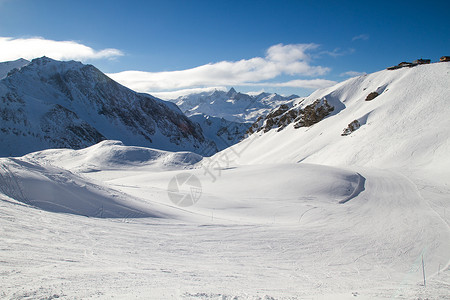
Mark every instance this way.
x=29 y=48
x=297 y=83
x=255 y=93
x=280 y=59
x=352 y=74
x=289 y=53
x=363 y=37
x=307 y=84
x=179 y=93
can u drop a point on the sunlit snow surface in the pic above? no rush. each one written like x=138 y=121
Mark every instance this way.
x=295 y=214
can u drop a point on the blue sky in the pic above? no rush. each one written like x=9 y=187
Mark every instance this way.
x=282 y=46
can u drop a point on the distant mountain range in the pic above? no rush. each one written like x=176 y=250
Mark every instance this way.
x=52 y=104
x=222 y=132
x=232 y=105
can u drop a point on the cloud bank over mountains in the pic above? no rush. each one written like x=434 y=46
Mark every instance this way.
x=282 y=66
x=291 y=60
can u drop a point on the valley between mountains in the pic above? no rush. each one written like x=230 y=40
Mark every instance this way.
x=329 y=196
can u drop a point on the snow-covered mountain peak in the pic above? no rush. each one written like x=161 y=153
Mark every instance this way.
x=50 y=103
x=230 y=105
x=231 y=93
x=45 y=68
x=8 y=66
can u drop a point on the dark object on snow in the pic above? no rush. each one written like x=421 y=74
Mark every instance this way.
x=351 y=127
x=444 y=58
x=422 y=61
x=313 y=113
x=393 y=68
x=404 y=64
x=372 y=96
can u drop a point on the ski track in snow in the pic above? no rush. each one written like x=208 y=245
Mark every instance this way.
x=353 y=218
x=378 y=236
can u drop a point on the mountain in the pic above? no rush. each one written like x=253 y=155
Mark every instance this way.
x=6 y=67
x=395 y=118
x=222 y=132
x=340 y=195
x=54 y=104
x=232 y=105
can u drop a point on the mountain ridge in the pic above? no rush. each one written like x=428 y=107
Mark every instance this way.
x=231 y=105
x=406 y=125
x=7 y=66
x=48 y=104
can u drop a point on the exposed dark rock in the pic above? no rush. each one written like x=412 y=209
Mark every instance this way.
x=351 y=127
x=285 y=115
x=63 y=129
x=313 y=113
x=372 y=96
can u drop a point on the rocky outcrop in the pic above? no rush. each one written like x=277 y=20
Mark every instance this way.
x=298 y=115
x=62 y=128
x=372 y=96
x=313 y=113
x=351 y=127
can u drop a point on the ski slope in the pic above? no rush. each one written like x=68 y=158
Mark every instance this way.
x=250 y=235
x=296 y=214
x=406 y=126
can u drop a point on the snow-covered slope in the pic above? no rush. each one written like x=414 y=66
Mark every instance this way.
x=222 y=132
x=406 y=126
x=52 y=180
x=113 y=155
x=7 y=66
x=299 y=230
x=53 y=104
x=232 y=106
x=366 y=217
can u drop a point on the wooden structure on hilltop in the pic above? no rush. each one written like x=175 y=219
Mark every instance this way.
x=422 y=61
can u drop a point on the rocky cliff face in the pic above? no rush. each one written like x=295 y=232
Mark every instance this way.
x=53 y=104
x=300 y=114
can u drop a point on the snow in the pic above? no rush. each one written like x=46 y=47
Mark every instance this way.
x=232 y=105
x=406 y=126
x=222 y=132
x=54 y=104
x=296 y=214
x=7 y=66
